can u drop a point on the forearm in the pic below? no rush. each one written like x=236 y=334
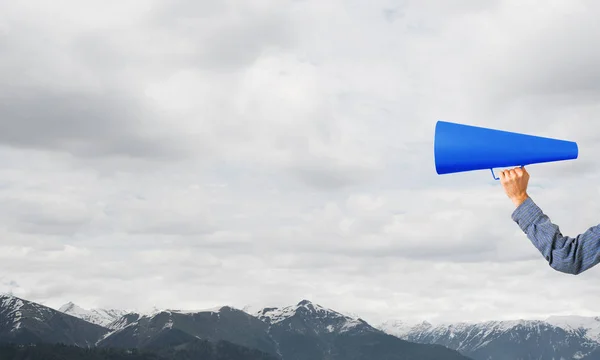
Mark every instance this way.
x=563 y=253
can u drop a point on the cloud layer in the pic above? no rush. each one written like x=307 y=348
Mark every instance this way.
x=194 y=153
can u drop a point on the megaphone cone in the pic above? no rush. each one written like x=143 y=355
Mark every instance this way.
x=459 y=148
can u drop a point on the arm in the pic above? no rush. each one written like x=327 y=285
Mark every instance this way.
x=563 y=253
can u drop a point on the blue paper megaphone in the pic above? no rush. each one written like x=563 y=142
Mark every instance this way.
x=459 y=148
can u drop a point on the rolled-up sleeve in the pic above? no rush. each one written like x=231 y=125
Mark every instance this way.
x=563 y=253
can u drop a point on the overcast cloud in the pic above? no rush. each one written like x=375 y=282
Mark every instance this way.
x=188 y=154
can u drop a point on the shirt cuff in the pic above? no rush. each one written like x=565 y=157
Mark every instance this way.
x=526 y=213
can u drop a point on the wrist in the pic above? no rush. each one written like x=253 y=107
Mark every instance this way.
x=519 y=199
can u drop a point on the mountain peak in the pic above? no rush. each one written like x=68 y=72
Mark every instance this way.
x=308 y=316
x=70 y=307
x=307 y=307
x=7 y=295
x=100 y=317
x=11 y=302
x=47 y=324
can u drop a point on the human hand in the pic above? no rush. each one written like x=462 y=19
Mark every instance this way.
x=514 y=182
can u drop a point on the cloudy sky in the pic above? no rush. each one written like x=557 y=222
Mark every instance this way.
x=189 y=154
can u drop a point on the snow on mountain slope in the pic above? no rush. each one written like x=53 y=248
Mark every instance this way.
x=17 y=310
x=134 y=318
x=588 y=325
x=23 y=321
x=274 y=315
x=129 y=318
x=222 y=323
x=10 y=302
x=308 y=331
x=401 y=328
x=113 y=319
x=100 y=317
x=318 y=318
x=10 y=311
x=562 y=337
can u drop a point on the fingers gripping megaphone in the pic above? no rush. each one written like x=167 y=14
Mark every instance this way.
x=459 y=148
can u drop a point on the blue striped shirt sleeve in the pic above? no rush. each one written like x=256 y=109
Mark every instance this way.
x=563 y=253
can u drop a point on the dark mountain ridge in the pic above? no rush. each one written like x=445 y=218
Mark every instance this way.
x=302 y=331
x=24 y=322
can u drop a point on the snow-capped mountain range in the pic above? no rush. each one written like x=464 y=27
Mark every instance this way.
x=587 y=327
x=567 y=336
x=315 y=331
x=115 y=319
x=304 y=331
x=562 y=337
x=576 y=324
x=112 y=319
